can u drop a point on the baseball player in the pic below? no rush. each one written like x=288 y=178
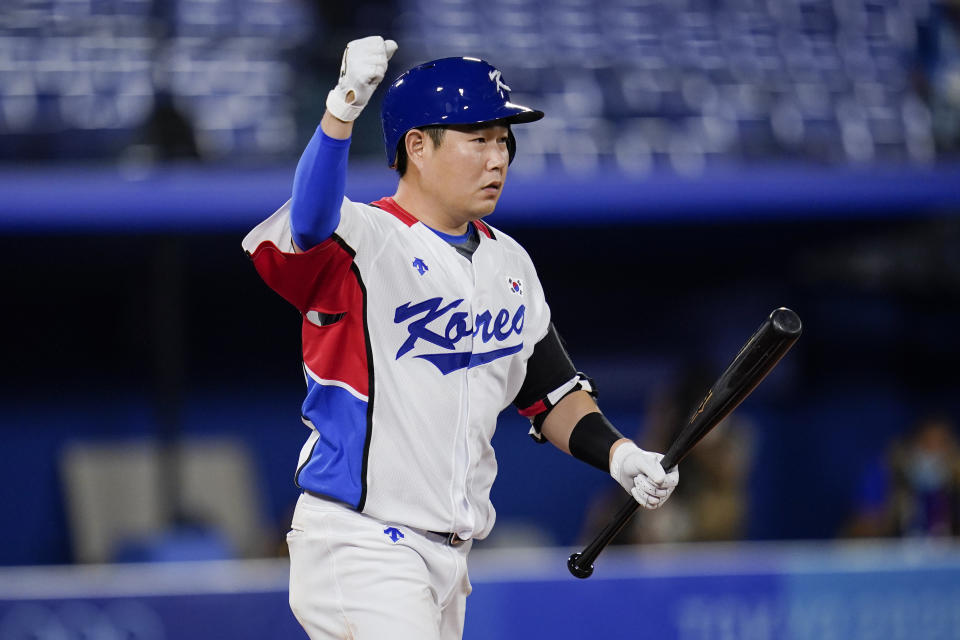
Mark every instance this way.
x=420 y=323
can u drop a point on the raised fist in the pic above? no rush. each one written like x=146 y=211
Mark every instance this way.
x=364 y=63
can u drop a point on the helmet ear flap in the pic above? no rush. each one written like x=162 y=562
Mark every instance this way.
x=511 y=144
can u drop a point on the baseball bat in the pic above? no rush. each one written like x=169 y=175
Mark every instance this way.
x=758 y=356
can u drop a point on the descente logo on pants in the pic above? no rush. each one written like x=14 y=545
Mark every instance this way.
x=486 y=325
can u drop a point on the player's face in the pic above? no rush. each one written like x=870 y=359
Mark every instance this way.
x=467 y=171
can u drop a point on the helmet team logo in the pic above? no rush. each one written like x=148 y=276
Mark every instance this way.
x=495 y=77
x=515 y=286
x=420 y=265
x=487 y=326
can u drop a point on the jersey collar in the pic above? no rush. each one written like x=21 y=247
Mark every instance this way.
x=390 y=206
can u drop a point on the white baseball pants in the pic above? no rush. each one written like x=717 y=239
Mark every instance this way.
x=358 y=578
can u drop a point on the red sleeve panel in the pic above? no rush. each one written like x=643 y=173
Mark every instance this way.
x=324 y=284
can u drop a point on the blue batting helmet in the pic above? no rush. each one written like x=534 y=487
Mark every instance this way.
x=448 y=91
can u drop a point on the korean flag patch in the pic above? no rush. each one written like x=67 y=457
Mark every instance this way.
x=515 y=286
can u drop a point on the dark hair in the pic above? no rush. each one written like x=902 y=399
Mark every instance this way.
x=434 y=131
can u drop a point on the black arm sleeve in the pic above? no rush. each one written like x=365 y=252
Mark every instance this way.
x=592 y=438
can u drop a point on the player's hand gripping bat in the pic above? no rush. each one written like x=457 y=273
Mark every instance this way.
x=756 y=359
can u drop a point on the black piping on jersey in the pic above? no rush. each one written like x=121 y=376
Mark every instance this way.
x=370 y=390
x=296 y=476
x=370 y=383
x=326 y=319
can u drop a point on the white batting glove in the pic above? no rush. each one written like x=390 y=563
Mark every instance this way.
x=640 y=473
x=362 y=69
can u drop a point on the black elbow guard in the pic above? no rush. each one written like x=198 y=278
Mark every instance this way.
x=550 y=377
x=591 y=440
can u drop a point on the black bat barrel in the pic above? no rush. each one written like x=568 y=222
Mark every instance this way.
x=758 y=356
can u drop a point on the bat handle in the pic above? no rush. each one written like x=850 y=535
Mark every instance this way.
x=581 y=564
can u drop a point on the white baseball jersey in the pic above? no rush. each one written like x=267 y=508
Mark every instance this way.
x=410 y=352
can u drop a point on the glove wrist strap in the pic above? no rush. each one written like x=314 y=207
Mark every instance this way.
x=337 y=104
x=616 y=461
x=592 y=438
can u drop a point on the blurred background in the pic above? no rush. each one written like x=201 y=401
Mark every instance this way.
x=701 y=163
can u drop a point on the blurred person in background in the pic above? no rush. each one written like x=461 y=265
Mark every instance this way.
x=712 y=503
x=937 y=72
x=168 y=134
x=915 y=489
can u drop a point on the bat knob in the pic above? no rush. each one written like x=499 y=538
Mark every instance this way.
x=575 y=568
x=786 y=322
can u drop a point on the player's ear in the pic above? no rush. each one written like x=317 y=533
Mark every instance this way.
x=414 y=144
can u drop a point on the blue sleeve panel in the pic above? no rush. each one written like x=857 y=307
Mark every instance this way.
x=318 y=188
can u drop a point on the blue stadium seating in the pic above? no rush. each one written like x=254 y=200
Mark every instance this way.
x=631 y=84
x=692 y=84
x=73 y=66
